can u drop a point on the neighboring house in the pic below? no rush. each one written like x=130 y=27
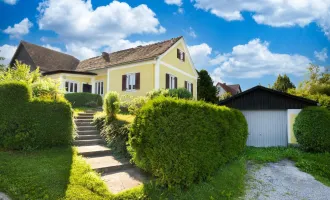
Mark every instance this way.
x=270 y=115
x=224 y=88
x=134 y=71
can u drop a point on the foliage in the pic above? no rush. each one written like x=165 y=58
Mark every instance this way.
x=180 y=93
x=20 y=72
x=57 y=173
x=27 y=123
x=84 y=99
x=99 y=120
x=136 y=103
x=225 y=96
x=181 y=141
x=317 y=164
x=316 y=87
x=311 y=129
x=2 y=66
x=283 y=83
x=47 y=89
x=156 y=93
x=205 y=89
x=111 y=105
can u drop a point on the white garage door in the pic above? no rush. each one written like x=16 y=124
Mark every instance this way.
x=267 y=128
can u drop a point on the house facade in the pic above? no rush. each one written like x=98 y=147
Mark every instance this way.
x=135 y=71
x=223 y=88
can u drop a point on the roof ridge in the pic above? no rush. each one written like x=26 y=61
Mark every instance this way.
x=23 y=41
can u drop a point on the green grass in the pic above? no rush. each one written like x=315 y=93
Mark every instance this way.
x=125 y=117
x=49 y=174
x=78 y=110
x=316 y=164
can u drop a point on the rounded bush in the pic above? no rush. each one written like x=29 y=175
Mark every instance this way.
x=111 y=105
x=180 y=93
x=312 y=129
x=182 y=141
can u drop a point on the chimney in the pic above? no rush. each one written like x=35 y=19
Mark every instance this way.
x=106 y=56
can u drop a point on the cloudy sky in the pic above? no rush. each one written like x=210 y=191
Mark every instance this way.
x=248 y=42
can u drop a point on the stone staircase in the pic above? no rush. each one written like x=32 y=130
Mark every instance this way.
x=118 y=174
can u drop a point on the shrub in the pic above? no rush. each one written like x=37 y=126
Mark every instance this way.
x=32 y=124
x=47 y=89
x=311 y=129
x=111 y=105
x=181 y=141
x=180 y=93
x=136 y=104
x=156 y=93
x=99 y=119
x=84 y=99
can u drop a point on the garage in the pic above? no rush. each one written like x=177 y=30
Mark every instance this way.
x=269 y=113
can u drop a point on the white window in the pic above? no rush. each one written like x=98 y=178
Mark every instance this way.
x=130 y=82
x=71 y=87
x=172 y=82
x=189 y=87
x=99 y=88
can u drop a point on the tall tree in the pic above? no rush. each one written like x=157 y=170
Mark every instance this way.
x=283 y=83
x=205 y=89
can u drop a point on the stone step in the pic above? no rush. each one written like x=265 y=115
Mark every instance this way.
x=83 y=120
x=93 y=151
x=88 y=132
x=124 y=180
x=89 y=137
x=86 y=128
x=88 y=142
x=84 y=117
x=84 y=124
x=86 y=113
x=108 y=164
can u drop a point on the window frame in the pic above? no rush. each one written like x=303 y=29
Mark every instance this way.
x=181 y=55
x=99 y=88
x=189 y=86
x=68 y=89
x=131 y=81
x=171 y=81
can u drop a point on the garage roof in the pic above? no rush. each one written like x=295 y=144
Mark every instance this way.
x=262 y=98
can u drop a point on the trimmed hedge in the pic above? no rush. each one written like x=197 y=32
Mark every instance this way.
x=27 y=124
x=312 y=129
x=182 y=141
x=84 y=99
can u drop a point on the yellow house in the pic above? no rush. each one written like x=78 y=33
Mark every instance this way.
x=134 y=71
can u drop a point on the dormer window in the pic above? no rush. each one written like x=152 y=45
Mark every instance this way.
x=181 y=55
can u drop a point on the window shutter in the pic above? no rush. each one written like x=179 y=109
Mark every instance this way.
x=175 y=82
x=123 y=85
x=137 y=81
x=185 y=84
x=178 y=53
x=167 y=81
x=192 y=89
x=184 y=56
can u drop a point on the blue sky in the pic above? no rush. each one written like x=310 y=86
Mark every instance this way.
x=246 y=42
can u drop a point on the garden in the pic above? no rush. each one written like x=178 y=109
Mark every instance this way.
x=190 y=149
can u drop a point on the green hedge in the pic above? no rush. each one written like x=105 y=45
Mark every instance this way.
x=84 y=99
x=32 y=124
x=312 y=129
x=182 y=141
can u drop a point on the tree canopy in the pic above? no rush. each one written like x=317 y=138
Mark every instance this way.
x=205 y=89
x=283 y=83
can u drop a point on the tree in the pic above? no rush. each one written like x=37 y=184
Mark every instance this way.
x=283 y=83
x=2 y=66
x=205 y=89
x=225 y=96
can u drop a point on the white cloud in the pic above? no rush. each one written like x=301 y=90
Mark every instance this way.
x=81 y=52
x=174 y=2
x=200 y=55
x=126 y=44
x=20 y=29
x=10 y=2
x=7 y=52
x=52 y=47
x=276 y=13
x=191 y=32
x=76 y=21
x=321 y=55
x=254 y=60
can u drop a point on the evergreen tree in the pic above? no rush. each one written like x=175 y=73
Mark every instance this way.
x=283 y=83
x=205 y=89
